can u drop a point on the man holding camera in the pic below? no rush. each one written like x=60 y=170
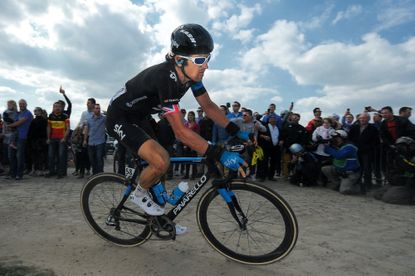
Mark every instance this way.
x=344 y=174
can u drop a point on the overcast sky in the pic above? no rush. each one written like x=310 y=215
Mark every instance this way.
x=330 y=54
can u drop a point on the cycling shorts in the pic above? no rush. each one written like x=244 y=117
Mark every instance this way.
x=131 y=130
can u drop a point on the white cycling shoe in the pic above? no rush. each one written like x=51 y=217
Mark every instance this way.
x=145 y=202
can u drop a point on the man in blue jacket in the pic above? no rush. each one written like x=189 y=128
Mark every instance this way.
x=344 y=174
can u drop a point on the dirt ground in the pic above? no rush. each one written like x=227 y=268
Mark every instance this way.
x=43 y=232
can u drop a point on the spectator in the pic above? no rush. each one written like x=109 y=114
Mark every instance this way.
x=335 y=121
x=57 y=133
x=344 y=174
x=271 y=112
x=321 y=136
x=37 y=137
x=249 y=125
x=9 y=135
x=220 y=135
x=305 y=165
x=377 y=120
x=347 y=120
x=402 y=181
x=69 y=110
x=95 y=138
x=394 y=127
x=81 y=152
x=206 y=128
x=391 y=128
x=90 y=104
x=184 y=112
x=315 y=122
x=179 y=147
x=292 y=133
x=199 y=114
x=235 y=111
x=365 y=137
x=269 y=141
x=257 y=116
x=188 y=152
x=10 y=116
x=405 y=112
x=25 y=117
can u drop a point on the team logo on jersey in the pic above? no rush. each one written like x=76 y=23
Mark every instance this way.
x=173 y=76
x=119 y=131
x=133 y=102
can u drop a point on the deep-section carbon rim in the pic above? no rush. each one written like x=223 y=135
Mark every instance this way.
x=271 y=231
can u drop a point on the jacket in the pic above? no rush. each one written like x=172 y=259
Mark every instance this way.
x=345 y=158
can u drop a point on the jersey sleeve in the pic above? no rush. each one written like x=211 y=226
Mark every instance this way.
x=168 y=88
x=198 y=89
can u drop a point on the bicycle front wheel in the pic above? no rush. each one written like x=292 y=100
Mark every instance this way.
x=100 y=197
x=269 y=230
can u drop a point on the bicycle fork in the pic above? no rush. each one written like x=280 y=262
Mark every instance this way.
x=234 y=207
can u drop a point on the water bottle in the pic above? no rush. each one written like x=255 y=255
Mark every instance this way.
x=177 y=193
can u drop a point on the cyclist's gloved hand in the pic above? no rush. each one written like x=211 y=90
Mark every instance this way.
x=231 y=160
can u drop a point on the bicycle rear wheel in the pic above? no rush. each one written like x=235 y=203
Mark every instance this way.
x=271 y=228
x=99 y=198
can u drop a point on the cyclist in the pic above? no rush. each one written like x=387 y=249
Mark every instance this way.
x=158 y=89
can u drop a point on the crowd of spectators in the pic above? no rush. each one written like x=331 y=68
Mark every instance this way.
x=37 y=144
x=352 y=154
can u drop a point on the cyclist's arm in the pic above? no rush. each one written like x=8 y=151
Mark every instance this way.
x=185 y=135
x=212 y=110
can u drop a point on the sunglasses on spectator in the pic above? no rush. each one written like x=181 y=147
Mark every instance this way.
x=198 y=60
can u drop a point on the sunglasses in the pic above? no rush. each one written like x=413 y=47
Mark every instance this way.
x=198 y=60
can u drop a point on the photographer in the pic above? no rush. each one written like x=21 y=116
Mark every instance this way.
x=305 y=166
x=344 y=174
x=392 y=128
x=402 y=174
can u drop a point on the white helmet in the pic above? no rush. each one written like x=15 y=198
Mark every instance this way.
x=339 y=133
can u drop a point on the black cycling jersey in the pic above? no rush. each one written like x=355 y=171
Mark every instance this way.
x=157 y=89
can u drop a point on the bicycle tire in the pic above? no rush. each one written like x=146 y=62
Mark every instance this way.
x=98 y=223
x=208 y=206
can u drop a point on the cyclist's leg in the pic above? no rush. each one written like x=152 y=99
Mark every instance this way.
x=130 y=133
x=158 y=162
